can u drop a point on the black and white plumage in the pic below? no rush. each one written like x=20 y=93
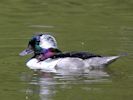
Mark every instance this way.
x=73 y=62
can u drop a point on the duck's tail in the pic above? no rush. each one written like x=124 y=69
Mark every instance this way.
x=101 y=62
x=111 y=59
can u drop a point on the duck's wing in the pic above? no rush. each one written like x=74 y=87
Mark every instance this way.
x=75 y=54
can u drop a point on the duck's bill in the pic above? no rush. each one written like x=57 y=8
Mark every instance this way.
x=26 y=52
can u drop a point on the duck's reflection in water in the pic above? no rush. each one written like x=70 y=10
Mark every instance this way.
x=47 y=86
x=44 y=86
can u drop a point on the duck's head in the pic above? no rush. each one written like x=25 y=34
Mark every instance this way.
x=44 y=41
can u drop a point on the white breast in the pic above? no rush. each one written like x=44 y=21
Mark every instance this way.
x=47 y=65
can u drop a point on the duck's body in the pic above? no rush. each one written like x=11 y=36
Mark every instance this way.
x=73 y=62
x=70 y=64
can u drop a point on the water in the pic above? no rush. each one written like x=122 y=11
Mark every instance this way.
x=49 y=87
x=101 y=26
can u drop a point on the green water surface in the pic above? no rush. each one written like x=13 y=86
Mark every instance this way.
x=100 y=26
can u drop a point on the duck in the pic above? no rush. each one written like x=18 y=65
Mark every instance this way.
x=58 y=60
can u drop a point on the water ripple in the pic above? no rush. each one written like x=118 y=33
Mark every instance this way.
x=46 y=85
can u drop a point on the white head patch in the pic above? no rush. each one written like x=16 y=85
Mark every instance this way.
x=47 y=41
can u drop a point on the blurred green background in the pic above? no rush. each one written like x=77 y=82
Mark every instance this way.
x=100 y=26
